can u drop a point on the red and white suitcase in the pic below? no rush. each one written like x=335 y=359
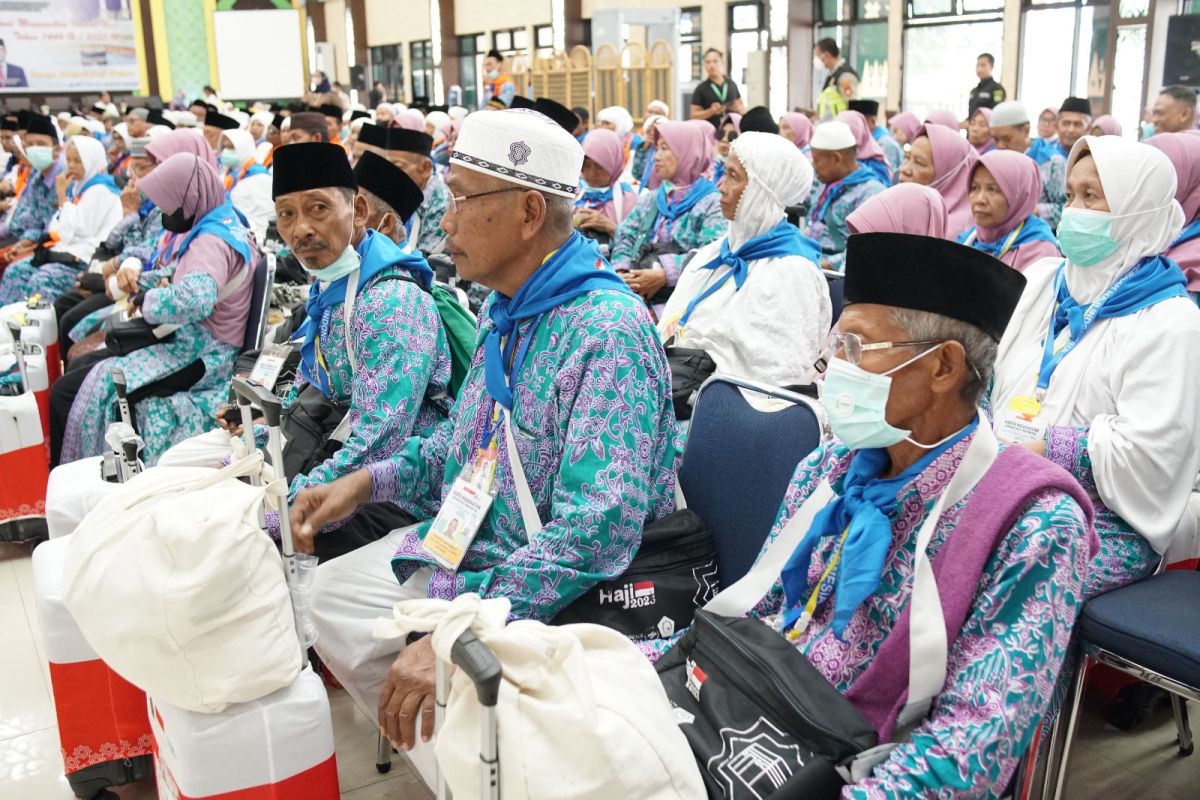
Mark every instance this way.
x=279 y=747
x=102 y=722
x=40 y=326
x=24 y=458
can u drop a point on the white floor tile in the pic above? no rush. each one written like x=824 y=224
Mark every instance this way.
x=25 y=704
x=12 y=607
x=31 y=767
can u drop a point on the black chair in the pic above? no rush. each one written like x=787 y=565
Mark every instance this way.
x=836 y=282
x=260 y=302
x=1150 y=630
x=738 y=462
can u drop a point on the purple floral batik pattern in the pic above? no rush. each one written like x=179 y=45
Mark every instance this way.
x=596 y=435
x=1125 y=555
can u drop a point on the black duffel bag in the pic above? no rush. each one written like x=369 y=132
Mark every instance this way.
x=690 y=368
x=763 y=723
x=124 y=336
x=308 y=426
x=673 y=574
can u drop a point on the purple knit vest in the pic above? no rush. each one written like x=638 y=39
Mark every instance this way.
x=995 y=505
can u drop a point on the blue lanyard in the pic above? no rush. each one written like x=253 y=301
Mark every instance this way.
x=522 y=351
x=1051 y=359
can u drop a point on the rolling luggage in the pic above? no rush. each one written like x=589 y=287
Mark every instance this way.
x=24 y=459
x=279 y=747
x=38 y=316
x=102 y=723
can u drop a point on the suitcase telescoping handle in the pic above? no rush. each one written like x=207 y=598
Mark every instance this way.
x=122 y=388
x=250 y=396
x=18 y=347
x=479 y=664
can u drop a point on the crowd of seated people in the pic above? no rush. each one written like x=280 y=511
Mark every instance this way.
x=1051 y=372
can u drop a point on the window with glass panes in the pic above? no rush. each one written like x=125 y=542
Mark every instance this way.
x=420 y=57
x=691 y=55
x=471 y=50
x=511 y=41
x=747 y=33
x=543 y=40
x=387 y=67
x=860 y=29
x=942 y=42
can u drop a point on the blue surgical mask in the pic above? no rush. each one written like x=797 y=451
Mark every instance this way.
x=1085 y=236
x=229 y=158
x=346 y=263
x=493 y=74
x=345 y=132
x=856 y=401
x=40 y=156
x=1148 y=130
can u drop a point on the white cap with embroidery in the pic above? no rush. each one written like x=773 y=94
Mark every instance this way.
x=1010 y=112
x=520 y=146
x=832 y=135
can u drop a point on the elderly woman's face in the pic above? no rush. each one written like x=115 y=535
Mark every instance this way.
x=593 y=174
x=918 y=163
x=988 y=203
x=607 y=125
x=732 y=186
x=256 y=129
x=74 y=164
x=665 y=162
x=1084 y=189
x=978 y=130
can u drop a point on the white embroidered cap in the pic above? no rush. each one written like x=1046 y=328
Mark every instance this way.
x=832 y=135
x=1010 y=112
x=523 y=147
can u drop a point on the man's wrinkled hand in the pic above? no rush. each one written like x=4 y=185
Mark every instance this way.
x=407 y=693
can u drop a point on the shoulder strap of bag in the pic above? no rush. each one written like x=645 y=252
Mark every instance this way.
x=529 y=513
x=231 y=286
x=347 y=315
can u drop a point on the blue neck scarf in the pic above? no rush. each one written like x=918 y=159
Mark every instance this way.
x=145 y=208
x=835 y=189
x=1190 y=231
x=1059 y=148
x=648 y=170
x=1040 y=151
x=881 y=171
x=878 y=133
x=102 y=179
x=718 y=172
x=1033 y=229
x=673 y=210
x=252 y=170
x=576 y=268
x=1152 y=280
x=378 y=253
x=228 y=225
x=598 y=198
x=865 y=506
x=781 y=240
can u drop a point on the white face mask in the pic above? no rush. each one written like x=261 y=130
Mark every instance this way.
x=856 y=402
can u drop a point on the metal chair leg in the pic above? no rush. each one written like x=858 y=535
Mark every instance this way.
x=1179 y=706
x=1059 y=771
x=383 y=755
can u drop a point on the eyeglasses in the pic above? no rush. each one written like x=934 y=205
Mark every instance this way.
x=456 y=199
x=852 y=347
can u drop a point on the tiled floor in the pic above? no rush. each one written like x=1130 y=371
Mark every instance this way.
x=1106 y=763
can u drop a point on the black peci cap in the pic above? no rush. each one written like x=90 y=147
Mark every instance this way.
x=389 y=183
x=310 y=165
x=417 y=142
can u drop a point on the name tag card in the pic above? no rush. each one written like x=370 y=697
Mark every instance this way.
x=457 y=523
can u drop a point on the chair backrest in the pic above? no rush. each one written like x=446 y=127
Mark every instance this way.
x=260 y=301
x=836 y=283
x=739 y=461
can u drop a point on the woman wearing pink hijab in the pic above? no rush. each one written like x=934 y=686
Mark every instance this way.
x=1184 y=151
x=870 y=155
x=904 y=208
x=942 y=117
x=1106 y=125
x=942 y=159
x=681 y=215
x=1005 y=186
x=603 y=204
x=904 y=127
x=979 y=131
x=208 y=299
x=163 y=147
x=797 y=128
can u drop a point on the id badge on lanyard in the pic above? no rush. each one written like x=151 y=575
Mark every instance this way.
x=466 y=506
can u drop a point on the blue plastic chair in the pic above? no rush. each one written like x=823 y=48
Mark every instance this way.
x=1150 y=630
x=739 y=461
x=260 y=301
x=837 y=285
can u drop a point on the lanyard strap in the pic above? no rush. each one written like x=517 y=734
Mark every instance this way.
x=721 y=93
x=1012 y=237
x=797 y=627
x=1051 y=357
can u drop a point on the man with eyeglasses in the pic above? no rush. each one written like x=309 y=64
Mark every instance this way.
x=568 y=395
x=915 y=535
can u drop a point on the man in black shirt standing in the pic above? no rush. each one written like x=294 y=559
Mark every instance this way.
x=989 y=93
x=717 y=94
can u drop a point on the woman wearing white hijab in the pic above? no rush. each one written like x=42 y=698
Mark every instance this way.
x=89 y=206
x=1100 y=367
x=755 y=300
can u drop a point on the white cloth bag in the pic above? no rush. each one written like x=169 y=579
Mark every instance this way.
x=176 y=586
x=582 y=713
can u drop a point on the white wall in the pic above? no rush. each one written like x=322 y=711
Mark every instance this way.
x=392 y=21
x=335 y=34
x=485 y=16
x=713 y=15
